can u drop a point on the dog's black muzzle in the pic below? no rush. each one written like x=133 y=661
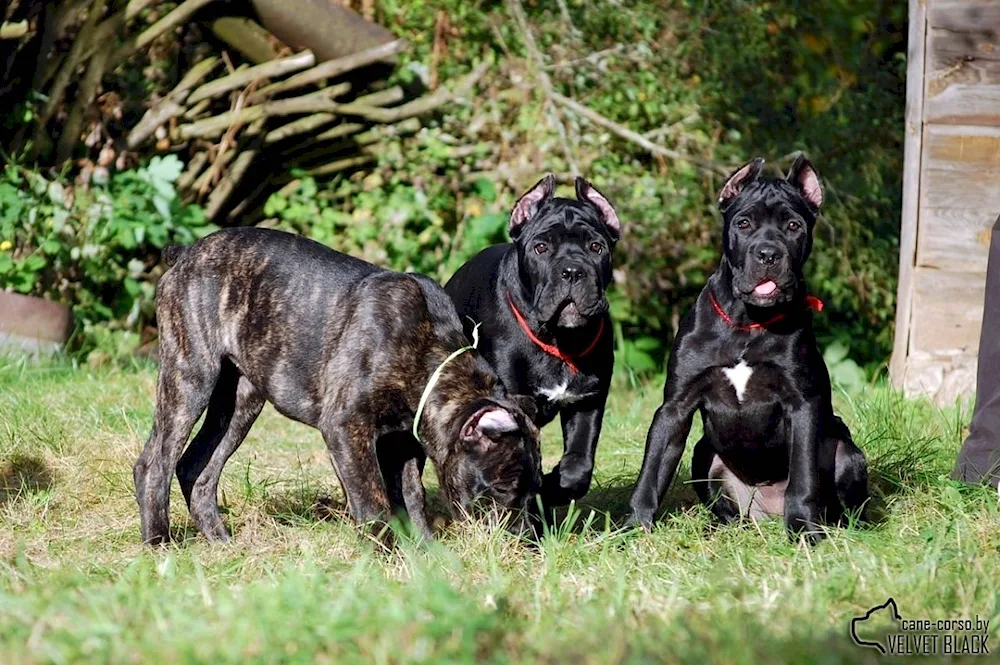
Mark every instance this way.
x=767 y=274
x=574 y=295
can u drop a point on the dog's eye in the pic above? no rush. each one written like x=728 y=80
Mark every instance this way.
x=596 y=247
x=743 y=224
x=541 y=248
x=794 y=226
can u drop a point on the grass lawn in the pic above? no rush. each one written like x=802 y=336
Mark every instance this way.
x=298 y=585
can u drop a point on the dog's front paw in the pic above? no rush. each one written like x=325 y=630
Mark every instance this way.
x=639 y=518
x=802 y=520
x=559 y=487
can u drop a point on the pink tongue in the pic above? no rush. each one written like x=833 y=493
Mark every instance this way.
x=765 y=288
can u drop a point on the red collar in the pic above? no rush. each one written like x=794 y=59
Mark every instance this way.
x=812 y=302
x=552 y=349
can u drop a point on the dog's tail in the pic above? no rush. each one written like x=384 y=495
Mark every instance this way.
x=171 y=253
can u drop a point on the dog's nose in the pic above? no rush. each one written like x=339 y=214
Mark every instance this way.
x=768 y=254
x=572 y=275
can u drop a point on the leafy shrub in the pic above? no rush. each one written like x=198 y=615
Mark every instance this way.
x=829 y=80
x=723 y=81
x=93 y=248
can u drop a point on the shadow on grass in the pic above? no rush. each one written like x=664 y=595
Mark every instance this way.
x=22 y=475
x=300 y=506
x=305 y=505
x=609 y=498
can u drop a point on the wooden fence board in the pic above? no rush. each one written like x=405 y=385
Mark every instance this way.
x=960 y=196
x=963 y=62
x=947 y=311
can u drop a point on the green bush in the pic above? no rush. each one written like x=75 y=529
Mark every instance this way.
x=94 y=248
x=723 y=81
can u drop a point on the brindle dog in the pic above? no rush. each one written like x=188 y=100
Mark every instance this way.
x=251 y=315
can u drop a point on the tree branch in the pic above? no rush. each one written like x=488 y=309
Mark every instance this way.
x=517 y=11
x=313 y=122
x=179 y=15
x=315 y=102
x=170 y=106
x=242 y=78
x=332 y=68
x=65 y=74
x=84 y=98
x=637 y=138
x=221 y=193
x=424 y=104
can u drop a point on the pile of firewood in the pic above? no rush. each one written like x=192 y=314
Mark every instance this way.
x=283 y=113
x=291 y=84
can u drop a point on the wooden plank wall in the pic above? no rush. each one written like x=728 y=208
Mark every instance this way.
x=959 y=194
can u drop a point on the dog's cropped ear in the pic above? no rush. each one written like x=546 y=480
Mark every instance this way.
x=530 y=201
x=806 y=180
x=587 y=192
x=740 y=178
x=486 y=425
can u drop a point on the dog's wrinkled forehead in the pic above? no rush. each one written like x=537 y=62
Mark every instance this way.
x=567 y=217
x=770 y=199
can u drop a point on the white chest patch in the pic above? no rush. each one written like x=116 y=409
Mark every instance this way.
x=560 y=394
x=739 y=376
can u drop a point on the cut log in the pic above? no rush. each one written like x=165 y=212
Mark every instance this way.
x=221 y=193
x=359 y=140
x=248 y=38
x=420 y=106
x=170 y=106
x=317 y=120
x=322 y=26
x=312 y=103
x=182 y=13
x=241 y=79
x=13 y=30
x=334 y=68
x=194 y=167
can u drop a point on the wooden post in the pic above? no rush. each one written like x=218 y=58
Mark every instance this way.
x=913 y=144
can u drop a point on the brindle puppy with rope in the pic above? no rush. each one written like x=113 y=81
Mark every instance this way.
x=251 y=315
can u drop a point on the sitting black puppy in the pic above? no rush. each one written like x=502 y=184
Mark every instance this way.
x=362 y=354
x=746 y=357
x=544 y=318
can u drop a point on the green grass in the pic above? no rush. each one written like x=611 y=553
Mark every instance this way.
x=297 y=584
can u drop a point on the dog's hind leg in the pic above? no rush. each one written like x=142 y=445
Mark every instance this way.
x=708 y=475
x=850 y=473
x=234 y=407
x=183 y=392
x=221 y=406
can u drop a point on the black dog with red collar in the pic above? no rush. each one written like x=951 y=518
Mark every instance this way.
x=745 y=356
x=544 y=318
